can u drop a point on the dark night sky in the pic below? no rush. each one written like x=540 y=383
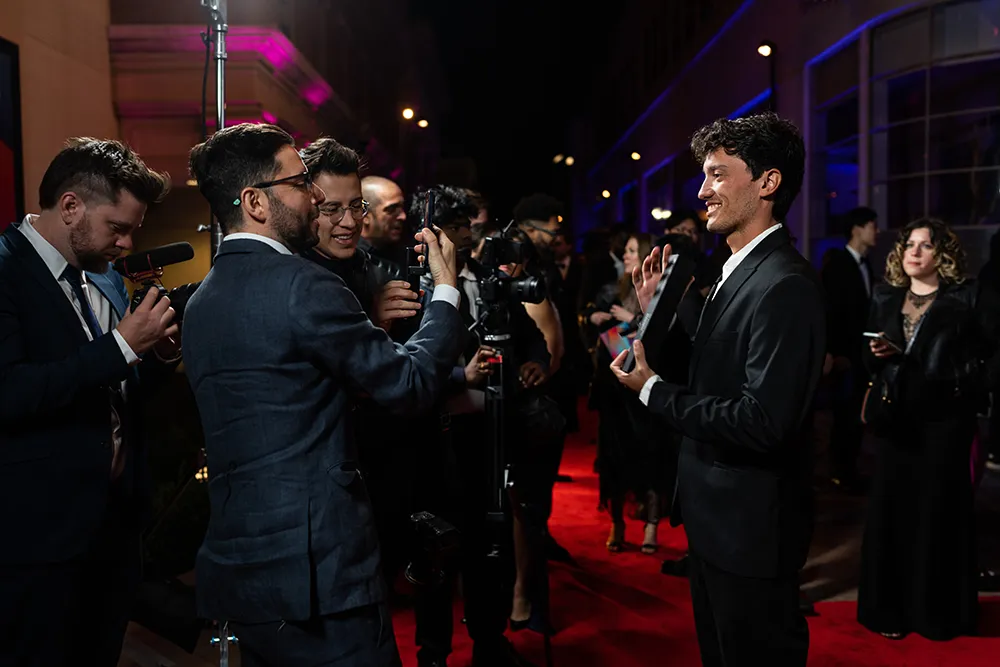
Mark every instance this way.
x=517 y=71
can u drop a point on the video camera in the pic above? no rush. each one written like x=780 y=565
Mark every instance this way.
x=498 y=287
x=146 y=269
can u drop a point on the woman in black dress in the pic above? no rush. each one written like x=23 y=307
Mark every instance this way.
x=918 y=564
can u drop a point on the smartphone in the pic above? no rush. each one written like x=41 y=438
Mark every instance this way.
x=881 y=337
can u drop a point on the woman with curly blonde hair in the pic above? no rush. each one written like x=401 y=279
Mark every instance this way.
x=933 y=366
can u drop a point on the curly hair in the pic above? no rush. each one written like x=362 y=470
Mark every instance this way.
x=949 y=256
x=763 y=141
x=327 y=155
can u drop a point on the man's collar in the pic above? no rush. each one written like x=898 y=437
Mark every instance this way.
x=250 y=236
x=52 y=258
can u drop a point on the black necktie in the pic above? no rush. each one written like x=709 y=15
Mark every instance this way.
x=74 y=278
x=708 y=300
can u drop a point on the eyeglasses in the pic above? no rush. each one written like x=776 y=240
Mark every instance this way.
x=303 y=180
x=336 y=213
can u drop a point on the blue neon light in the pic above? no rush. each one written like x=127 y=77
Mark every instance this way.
x=751 y=104
x=666 y=93
x=854 y=34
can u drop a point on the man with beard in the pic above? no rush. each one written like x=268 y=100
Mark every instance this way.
x=382 y=233
x=279 y=350
x=74 y=365
x=744 y=482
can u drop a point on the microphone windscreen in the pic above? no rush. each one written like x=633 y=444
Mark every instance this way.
x=155 y=258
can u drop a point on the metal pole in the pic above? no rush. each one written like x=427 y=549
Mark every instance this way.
x=220 y=26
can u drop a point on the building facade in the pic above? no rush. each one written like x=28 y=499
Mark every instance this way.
x=136 y=70
x=897 y=101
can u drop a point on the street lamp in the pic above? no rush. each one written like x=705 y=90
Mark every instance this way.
x=768 y=50
x=408 y=113
x=606 y=194
x=570 y=161
x=635 y=156
x=422 y=122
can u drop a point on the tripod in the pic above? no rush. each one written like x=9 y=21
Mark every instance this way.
x=494 y=324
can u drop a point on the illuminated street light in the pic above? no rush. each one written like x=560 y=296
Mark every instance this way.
x=422 y=123
x=606 y=194
x=661 y=213
x=765 y=49
x=408 y=113
x=557 y=159
x=570 y=161
x=635 y=156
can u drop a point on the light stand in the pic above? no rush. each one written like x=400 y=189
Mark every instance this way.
x=220 y=26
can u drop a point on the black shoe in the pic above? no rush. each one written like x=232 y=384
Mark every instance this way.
x=498 y=653
x=989 y=582
x=677 y=568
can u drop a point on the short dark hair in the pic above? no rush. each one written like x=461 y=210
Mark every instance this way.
x=451 y=205
x=327 y=155
x=540 y=207
x=857 y=217
x=232 y=159
x=98 y=170
x=763 y=141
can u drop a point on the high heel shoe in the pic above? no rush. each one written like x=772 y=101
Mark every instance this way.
x=616 y=540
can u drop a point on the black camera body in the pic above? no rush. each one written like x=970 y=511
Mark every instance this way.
x=498 y=287
x=140 y=293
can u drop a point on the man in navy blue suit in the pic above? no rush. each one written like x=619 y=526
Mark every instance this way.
x=74 y=488
x=277 y=350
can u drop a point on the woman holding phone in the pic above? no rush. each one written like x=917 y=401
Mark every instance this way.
x=918 y=563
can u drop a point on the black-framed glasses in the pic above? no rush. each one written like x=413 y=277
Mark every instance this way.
x=303 y=180
x=336 y=213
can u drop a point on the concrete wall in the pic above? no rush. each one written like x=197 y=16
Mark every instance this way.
x=65 y=77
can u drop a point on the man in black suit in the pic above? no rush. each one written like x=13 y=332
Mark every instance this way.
x=279 y=350
x=847 y=280
x=74 y=364
x=743 y=483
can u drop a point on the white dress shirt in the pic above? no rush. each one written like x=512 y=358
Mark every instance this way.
x=727 y=270
x=441 y=292
x=106 y=315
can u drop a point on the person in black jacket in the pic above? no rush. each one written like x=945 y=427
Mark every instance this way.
x=848 y=280
x=75 y=365
x=939 y=358
x=744 y=490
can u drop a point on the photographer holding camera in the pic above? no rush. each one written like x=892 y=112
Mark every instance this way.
x=279 y=349
x=455 y=475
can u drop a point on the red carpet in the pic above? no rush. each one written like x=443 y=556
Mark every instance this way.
x=619 y=610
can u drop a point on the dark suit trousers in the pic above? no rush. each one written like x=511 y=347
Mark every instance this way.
x=75 y=612
x=747 y=621
x=454 y=487
x=847 y=432
x=359 y=637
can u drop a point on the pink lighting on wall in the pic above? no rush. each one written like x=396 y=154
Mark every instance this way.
x=269 y=117
x=268 y=44
x=396 y=173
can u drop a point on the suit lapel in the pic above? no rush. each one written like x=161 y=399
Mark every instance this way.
x=717 y=307
x=22 y=250
x=106 y=287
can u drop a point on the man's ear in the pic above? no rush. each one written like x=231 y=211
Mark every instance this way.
x=71 y=208
x=770 y=182
x=255 y=204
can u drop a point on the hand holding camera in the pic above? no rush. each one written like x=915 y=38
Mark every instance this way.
x=150 y=322
x=439 y=252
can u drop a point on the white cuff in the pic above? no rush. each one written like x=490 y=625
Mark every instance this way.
x=131 y=357
x=647 y=389
x=446 y=293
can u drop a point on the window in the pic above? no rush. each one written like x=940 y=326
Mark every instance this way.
x=834 y=142
x=935 y=115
